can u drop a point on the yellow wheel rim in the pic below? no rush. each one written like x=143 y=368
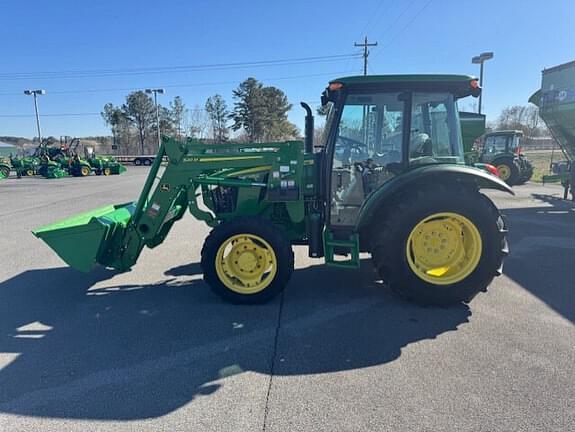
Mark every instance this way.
x=85 y=171
x=107 y=171
x=444 y=248
x=246 y=263
x=504 y=172
x=29 y=172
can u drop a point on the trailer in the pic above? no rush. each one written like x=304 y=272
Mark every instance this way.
x=556 y=102
x=137 y=160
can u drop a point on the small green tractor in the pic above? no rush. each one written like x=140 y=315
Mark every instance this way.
x=103 y=165
x=389 y=179
x=25 y=166
x=503 y=150
x=67 y=156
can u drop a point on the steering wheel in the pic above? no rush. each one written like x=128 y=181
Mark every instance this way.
x=351 y=146
x=352 y=143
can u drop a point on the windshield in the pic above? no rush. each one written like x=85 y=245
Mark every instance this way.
x=435 y=134
x=372 y=128
x=501 y=143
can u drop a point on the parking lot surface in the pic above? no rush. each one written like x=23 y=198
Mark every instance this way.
x=153 y=349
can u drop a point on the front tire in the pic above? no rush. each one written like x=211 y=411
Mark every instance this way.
x=4 y=172
x=440 y=245
x=247 y=260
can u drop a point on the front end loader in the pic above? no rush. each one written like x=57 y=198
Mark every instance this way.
x=389 y=179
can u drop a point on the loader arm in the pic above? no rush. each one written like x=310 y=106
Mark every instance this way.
x=114 y=236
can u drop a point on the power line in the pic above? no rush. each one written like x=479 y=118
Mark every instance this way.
x=419 y=12
x=187 y=85
x=50 y=115
x=396 y=20
x=172 y=69
x=373 y=18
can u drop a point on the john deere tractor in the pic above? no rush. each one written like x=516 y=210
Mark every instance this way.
x=103 y=165
x=503 y=150
x=389 y=179
x=25 y=166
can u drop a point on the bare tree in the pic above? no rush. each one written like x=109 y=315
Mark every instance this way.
x=178 y=112
x=523 y=118
x=198 y=123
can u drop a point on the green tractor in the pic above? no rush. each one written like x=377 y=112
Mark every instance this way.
x=5 y=168
x=67 y=155
x=503 y=150
x=25 y=166
x=472 y=128
x=103 y=165
x=389 y=179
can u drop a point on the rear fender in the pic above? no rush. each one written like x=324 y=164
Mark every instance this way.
x=445 y=174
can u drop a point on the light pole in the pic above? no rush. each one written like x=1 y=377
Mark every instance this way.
x=480 y=59
x=156 y=92
x=35 y=93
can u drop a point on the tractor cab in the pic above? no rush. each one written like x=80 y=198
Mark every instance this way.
x=378 y=127
x=498 y=143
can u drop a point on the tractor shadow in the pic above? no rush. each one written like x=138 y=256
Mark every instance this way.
x=70 y=348
x=542 y=251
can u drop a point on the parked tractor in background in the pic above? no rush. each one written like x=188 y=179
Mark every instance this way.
x=103 y=165
x=390 y=179
x=556 y=102
x=25 y=166
x=472 y=128
x=503 y=150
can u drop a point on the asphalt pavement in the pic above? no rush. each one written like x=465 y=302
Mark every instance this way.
x=154 y=350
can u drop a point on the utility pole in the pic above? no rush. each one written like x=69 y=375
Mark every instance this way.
x=365 y=45
x=35 y=93
x=156 y=91
x=365 y=52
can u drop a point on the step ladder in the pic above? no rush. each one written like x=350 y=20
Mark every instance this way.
x=348 y=245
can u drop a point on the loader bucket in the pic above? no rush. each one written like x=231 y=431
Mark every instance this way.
x=88 y=238
x=118 y=169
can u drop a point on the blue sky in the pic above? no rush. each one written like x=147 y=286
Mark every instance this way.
x=414 y=36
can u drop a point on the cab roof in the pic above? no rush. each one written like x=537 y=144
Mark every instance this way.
x=460 y=85
x=403 y=79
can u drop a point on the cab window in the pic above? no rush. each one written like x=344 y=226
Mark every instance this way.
x=368 y=147
x=435 y=134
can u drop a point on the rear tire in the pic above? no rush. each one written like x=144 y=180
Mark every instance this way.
x=509 y=171
x=526 y=172
x=247 y=260
x=393 y=258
